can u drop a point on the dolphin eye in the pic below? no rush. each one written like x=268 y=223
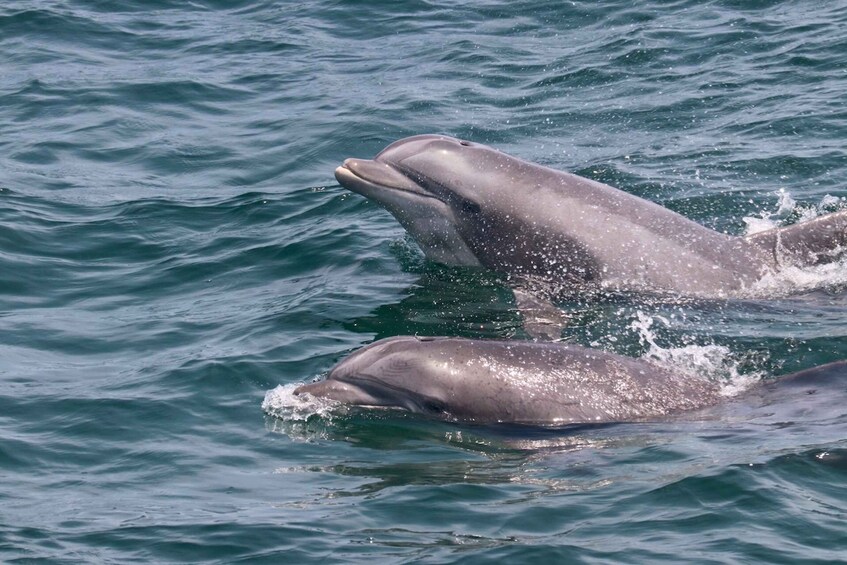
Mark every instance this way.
x=465 y=143
x=433 y=406
x=470 y=207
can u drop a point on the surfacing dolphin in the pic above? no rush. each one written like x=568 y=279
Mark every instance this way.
x=517 y=382
x=469 y=204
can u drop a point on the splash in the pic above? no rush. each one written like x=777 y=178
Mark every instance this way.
x=788 y=211
x=769 y=220
x=713 y=362
x=790 y=280
x=303 y=417
x=796 y=280
x=283 y=404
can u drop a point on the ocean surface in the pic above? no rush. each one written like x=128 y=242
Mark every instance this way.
x=176 y=256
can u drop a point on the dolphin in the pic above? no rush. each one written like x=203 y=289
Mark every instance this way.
x=518 y=382
x=469 y=204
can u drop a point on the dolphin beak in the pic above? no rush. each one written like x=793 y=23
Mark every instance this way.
x=339 y=391
x=359 y=175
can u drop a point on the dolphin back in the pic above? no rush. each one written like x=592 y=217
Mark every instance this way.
x=820 y=375
x=814 y=242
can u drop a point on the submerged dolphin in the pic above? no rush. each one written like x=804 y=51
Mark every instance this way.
x=518 y=382
x=469 y=204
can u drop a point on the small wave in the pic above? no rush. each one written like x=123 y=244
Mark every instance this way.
x=713 y=362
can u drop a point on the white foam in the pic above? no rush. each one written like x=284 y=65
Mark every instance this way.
x=282 y=403
x=714 y=362
x=796 y=280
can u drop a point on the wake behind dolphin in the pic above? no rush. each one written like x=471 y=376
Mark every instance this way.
x=469 y=204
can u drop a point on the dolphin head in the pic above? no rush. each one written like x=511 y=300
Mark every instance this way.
x=398 y=372
x=468 y=204
x=434 y=185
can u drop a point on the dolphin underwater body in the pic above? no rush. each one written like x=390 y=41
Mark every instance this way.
x=469 y=204
x=515 y=382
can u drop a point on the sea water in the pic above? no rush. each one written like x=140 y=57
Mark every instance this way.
x=176 y=257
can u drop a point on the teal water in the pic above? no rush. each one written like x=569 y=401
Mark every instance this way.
x=173 y=246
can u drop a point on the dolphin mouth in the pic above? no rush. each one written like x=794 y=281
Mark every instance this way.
x=368 y=392
x=366 y=177
x=340 y=391
x=350 y=393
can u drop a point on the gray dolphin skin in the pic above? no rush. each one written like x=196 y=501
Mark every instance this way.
x=520 y=382
x=469 y=204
